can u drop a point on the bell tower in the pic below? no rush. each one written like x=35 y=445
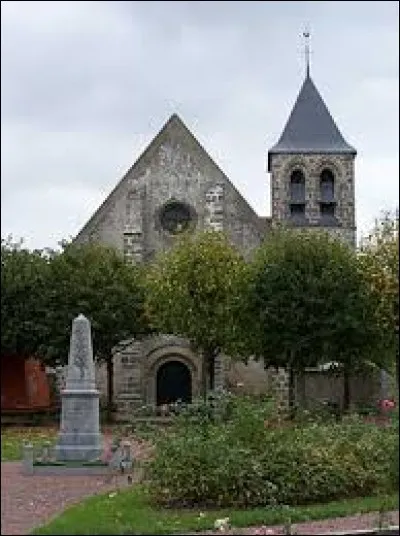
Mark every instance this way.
x=312 y=168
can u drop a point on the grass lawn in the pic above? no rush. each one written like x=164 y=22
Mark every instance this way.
x=129 y=512
x=13 y=437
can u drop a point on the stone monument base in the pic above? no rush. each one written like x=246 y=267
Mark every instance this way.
x=49 y=470
x=79 y=438
x=67 y=452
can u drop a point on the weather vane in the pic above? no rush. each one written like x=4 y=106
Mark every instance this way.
x=306 y=35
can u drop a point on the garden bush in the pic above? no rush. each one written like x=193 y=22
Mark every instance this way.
x=244 y=458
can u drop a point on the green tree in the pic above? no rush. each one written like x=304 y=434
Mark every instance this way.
x=24 y=275
x=310 y=304
x=379 y=260
x=194 y=290
x=94 y=280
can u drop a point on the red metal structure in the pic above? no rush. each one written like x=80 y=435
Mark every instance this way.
x=24 y=385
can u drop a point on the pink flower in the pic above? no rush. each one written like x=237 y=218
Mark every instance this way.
x=387 y=404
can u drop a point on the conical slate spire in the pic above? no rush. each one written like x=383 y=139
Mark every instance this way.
x=310 y=127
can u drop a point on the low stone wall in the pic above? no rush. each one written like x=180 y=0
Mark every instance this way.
x=320 y=385
x=253 y=379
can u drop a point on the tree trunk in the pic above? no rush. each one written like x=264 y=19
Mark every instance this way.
x=110 y=387
x=204 y=379
x=292 y=396
x=302 y=389
x=346 y=389
x=384 y=384
x=291 y=383
x=397 y=373
x=208 y=371
x=211 y=372
x=396 y=331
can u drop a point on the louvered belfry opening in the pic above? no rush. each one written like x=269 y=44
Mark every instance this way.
x=297 y=195
x=327 y=195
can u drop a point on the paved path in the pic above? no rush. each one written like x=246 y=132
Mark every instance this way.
x=28 y=502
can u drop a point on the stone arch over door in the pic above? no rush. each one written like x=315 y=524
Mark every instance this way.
x=170 y=354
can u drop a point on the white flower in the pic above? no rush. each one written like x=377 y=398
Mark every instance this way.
x=111 y=495
x=263 y=530
x=221 y=524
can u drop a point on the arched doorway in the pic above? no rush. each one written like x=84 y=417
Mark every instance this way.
x=174 y=382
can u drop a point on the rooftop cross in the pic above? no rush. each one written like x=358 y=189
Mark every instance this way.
x=306 y=35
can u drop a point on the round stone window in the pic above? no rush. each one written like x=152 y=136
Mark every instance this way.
x=176 y=217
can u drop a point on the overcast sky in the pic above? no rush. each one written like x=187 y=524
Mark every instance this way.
x=85 y=86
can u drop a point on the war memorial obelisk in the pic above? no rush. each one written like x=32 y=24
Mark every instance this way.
x=79 y=437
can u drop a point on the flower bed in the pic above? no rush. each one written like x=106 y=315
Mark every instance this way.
x=241 y=461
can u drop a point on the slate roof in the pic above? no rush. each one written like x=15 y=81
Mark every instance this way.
x=310 y=127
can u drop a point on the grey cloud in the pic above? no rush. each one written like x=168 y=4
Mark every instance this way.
x=86 y=85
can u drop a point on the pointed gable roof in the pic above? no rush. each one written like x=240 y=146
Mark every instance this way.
x=174 y=127
x=310 y=127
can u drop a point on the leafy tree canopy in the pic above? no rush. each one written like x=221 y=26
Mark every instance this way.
x=379 y=258
x=94 y=280
x=194 y=290
x=309 y=302
x=24 y=276
x=43 y=291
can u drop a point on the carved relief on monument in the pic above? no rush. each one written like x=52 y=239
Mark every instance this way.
x=214 y=213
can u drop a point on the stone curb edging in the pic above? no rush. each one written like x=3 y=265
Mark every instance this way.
x=65 y=471
x=394 y=529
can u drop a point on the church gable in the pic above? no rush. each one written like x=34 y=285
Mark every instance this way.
x=173 y=184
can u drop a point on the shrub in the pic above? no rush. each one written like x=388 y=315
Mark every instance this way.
x=319 y=463
x=239 y=461
x=204 y=469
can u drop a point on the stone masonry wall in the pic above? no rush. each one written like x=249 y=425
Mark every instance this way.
x=312 y=165
x=174 y=167
x=133 y=230
x=342 y=167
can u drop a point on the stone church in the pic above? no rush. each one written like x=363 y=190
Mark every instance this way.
x=174 y=186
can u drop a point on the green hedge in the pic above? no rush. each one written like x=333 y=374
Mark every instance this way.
x=243 y=462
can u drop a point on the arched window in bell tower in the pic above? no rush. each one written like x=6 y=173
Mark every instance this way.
x=327 y=195
x=297 y=194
